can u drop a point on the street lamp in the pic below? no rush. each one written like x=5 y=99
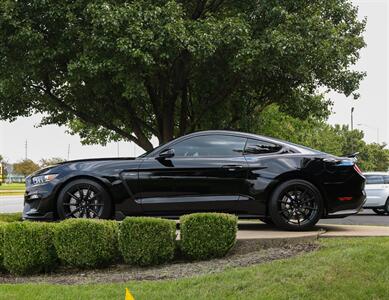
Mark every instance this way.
x=352 y=118
x=372 y=127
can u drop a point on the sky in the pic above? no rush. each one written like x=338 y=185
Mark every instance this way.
x=370 y=113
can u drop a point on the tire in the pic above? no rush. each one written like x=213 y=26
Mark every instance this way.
x=380 y=211
x=296 y=205
x=266 y=220
x=84 y=198
x=384 y=210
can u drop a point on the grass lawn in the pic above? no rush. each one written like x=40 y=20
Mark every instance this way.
x=10 y=217
x=13 y=187
x=354 y=268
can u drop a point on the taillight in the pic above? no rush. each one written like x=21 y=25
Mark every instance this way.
x=356 y=168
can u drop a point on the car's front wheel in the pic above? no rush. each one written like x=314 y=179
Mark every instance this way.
x=295 y=205
x=84 y=198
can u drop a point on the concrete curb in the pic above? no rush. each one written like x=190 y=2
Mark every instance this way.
x=354 y=231
x=256 y=236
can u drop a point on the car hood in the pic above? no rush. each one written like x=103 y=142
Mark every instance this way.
x=51 y=169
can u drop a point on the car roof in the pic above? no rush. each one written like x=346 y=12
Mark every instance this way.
x=298 y=148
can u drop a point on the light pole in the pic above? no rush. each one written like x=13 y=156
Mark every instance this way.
x=352 y=118
x=372 y=127
x=352 y=128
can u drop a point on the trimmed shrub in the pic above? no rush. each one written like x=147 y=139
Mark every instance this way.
x=87 y=243
x=207 y=235
x=2 y=228
x=28 y=247
x=147 y=241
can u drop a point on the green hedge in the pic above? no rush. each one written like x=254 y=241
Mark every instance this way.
x=28 y=247
x=86 y=243
x=207 y=235
x=2 y=228
x=147 y=241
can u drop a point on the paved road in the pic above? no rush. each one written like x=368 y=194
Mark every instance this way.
x=10 y=204
x=366 y=217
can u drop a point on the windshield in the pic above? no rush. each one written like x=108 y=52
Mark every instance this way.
x=149 y=151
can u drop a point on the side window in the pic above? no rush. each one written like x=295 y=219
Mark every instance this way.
x=210 y=146
x=386 y=179
x=260 y=147
x=374 y=179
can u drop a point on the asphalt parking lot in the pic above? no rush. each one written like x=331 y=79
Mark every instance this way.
x=366 y=217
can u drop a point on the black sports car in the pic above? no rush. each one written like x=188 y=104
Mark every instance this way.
x=245 y=174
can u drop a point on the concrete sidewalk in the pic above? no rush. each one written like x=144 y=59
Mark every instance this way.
x=354 y=231
x=269 y=236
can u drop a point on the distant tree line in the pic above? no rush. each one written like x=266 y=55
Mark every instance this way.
x=27 y=166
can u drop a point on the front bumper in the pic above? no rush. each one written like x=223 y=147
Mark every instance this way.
x=39 y=202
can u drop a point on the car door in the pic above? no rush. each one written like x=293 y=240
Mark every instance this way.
x=258 y=154
x=203 y=173
x=375 y=191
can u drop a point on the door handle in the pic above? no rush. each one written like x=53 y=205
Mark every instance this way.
x=232 y=167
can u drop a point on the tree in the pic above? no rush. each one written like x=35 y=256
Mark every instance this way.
x=25 y=167
x=128 y=70
x=316 y=133
x=46 y=162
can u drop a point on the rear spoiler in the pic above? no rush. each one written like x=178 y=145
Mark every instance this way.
x=352 y=155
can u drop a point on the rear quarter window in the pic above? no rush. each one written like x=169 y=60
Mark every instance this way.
x=255 y=147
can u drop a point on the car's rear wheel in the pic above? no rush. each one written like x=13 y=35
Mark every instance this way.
x=296 y=205
x=84 y=198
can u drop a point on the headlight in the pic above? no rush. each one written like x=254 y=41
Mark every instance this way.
x=42 y=179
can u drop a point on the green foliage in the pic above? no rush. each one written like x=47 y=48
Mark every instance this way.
x=86 y=243
x=147 y=241
x=207 y=235
x=316 y=133
x=25 y=167
x=28 y=247
x=10 y=217
x=2 y=229
x=129 y=70
x=331 y=272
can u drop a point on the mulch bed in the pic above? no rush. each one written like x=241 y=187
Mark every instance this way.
x=174 y=270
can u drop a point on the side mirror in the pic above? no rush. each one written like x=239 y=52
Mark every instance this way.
x=168 y=153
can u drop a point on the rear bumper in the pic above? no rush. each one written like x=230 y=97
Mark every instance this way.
x=348 y=208
x=342 y=214
x=344 y=194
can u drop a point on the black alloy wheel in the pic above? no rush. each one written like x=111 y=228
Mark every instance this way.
x=84 y=198
x=296 y=205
